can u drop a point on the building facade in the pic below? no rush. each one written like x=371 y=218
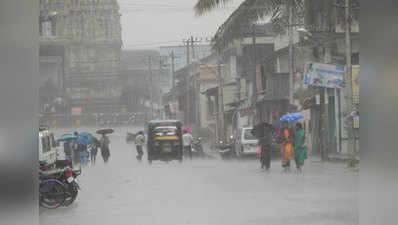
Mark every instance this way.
x=86 y=35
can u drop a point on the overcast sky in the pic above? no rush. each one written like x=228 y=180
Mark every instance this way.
x=152 y=23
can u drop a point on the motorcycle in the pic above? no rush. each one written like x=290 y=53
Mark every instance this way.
x=226 y=149
x=197 y=148
x=67 y=177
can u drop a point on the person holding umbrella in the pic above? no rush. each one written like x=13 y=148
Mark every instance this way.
x=105 y=147
x=286 y=138
x=263 y=132
x=104 y=143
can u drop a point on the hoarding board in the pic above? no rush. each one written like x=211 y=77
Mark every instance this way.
x=323 y=75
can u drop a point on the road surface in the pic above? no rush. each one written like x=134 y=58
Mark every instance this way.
x=207 y=192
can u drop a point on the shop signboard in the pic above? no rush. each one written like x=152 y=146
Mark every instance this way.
x=323 y=75
x=76 y=111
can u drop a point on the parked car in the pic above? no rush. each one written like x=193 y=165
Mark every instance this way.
x=247 y=144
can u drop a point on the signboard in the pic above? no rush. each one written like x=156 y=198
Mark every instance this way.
x=76 y=111
x=323 y=75
x=355 y=84
x=173 y=107
x=208 y=72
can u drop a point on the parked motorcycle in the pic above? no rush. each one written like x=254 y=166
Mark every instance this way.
x=66 y=177
x=197 y=148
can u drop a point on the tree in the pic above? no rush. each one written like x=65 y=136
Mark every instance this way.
x=249 y=12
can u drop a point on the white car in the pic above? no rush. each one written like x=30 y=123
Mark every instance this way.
x=246 y=143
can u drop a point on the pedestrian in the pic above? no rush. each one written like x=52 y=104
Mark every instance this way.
x=187 y=143
x=300 y=151
x=76 y=152
x=82 y=149
x=286 y=138
x=94 y=150
x=263 y=132
x=68 y=150
x=105 y=148
x=139 y=142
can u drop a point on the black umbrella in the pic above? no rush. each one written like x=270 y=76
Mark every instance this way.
x=105 y=131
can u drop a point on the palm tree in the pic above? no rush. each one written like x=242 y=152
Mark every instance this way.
x=248 y=13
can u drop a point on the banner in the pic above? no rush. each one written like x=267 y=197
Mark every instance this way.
x=76 y=111
x=323 y=75
x=355 y=84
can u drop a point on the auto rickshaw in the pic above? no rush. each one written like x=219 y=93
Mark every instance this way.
x=164 y=140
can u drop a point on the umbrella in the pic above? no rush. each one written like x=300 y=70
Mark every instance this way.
x=67 y=137
x=291 y=117
x=83 y=140
x=105 y=131
x=188 y=129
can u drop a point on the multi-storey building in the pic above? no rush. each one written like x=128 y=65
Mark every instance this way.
x=84 y=36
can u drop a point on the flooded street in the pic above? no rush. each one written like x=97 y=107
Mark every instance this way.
x=206 y=192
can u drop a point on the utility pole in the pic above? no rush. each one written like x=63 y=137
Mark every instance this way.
x=150 y=83
x=348 y=82
x=220 y=100
x=187 y=42
x=172 y=69
x=254 y=78
x=193 y=48
x=291 y=56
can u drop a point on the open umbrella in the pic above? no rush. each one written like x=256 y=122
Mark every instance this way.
x=82 y=140
x=290 y=117
x=67 y=137
x=105 y=131
x=87 y=135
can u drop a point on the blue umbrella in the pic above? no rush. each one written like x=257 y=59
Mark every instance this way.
x=67 y=137
x=291 y=117
x=86 y=135
x=82 y=140
x=85 y=138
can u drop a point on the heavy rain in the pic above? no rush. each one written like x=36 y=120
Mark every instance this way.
x=199 y=112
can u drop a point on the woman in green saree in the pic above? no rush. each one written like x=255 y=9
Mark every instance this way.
x=300 y=151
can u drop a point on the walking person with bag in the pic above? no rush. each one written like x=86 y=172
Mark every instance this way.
x=187 y=143
x=263 y=132
x=139 y=143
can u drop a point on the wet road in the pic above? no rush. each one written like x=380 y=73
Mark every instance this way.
x=207 y=192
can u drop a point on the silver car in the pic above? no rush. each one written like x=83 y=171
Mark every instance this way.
x=246 y=143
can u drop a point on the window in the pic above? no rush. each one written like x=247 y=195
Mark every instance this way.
x=48 y=28
x=45 y=144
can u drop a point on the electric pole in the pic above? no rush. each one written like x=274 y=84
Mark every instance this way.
x=254 y=97
x=150 y=83
x=220 y=100
x=193 y=48
x=172 y=69
x=348 y=82
x=291 y=56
